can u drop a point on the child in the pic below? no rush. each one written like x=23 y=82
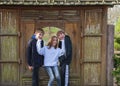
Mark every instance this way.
x=51 y=54
x=35 y=60
x=65 y=44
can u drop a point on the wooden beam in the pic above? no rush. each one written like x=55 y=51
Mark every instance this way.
x=110 y=53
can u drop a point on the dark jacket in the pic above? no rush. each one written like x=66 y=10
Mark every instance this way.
x=68 y=48
x=33 y=58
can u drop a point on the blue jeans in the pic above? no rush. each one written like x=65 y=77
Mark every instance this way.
x=51 y=70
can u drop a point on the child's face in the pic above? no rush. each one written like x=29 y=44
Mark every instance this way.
x=39 y=35
x=61 y=36
x=54 y=41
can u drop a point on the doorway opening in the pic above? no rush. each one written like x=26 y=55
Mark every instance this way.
x=49 y=31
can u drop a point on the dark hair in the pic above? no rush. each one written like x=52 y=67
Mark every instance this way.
x=51 y=41
x=60 y=32
x=39 y=30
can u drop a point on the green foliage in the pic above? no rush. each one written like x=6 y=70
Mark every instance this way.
x=116 y=46
x=49 y=31
x=117 y=40
x=116 y=59
x=116 y=71
x=117 y=36
x=116 y=74
x=117 y=27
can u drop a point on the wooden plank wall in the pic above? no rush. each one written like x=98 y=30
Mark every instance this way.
x=9 y=48
x=86 y=27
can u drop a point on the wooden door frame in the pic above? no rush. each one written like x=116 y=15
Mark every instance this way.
x=50 y=24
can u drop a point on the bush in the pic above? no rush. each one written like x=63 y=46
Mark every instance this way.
x=116 y=61
x=116 y=58
x=116 y=46
x=116 y=71
x=117 y=40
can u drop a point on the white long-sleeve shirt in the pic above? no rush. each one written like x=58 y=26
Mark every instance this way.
x=50 y=55
x=38 y=44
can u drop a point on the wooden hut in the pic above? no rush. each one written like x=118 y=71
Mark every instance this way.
x=85 y=21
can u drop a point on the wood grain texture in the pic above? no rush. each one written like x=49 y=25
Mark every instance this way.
x=9 y=48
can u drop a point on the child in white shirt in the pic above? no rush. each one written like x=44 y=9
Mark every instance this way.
x=51 y=54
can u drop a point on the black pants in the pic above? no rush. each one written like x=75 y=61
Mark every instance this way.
x=64 y=71
x=35 y=76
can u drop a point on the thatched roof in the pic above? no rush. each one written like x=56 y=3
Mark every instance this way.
x=59 y=2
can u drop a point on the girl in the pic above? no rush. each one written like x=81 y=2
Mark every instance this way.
x=51 y=54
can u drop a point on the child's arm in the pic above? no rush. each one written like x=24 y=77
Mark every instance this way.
x=29 y=53
x=41 y=51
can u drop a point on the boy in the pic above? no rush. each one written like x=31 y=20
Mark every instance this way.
x=66 y=45
x=35 y=60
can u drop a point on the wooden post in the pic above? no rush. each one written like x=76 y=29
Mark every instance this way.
x=110 y=53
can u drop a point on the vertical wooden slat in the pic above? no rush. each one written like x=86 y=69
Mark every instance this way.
x=110 y=53
x=104 y=47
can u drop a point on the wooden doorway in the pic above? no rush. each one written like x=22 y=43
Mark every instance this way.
x=51 y=27
x=86 y=27
x=88 y=34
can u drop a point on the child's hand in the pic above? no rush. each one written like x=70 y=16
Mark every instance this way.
x=30 y=68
